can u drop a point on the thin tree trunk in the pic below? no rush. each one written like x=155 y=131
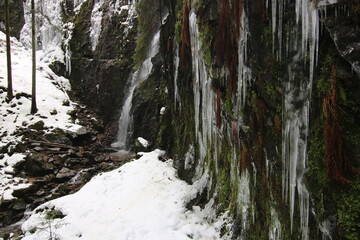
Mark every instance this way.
x=33 y=92
x=8 y=51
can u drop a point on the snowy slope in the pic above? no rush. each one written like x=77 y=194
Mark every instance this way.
x=143 y=199
x=51 y=96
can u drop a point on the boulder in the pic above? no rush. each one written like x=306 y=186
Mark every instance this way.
x=65 y=174
x=58 y=136
x=36 y=165
x=39 y=125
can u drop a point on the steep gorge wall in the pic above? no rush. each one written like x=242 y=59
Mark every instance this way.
x=247 y=84
x=250 y=98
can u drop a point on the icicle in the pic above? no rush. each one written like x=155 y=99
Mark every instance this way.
x=244 y=72
x=203 y=95
x=280 y=27
x=325 y=229
x=273 y=22
x=189 y=157
x=68 y=31
x=314 y=34
x=177 y=98
x=244 y=201
x=275 y=226
x=254 y=170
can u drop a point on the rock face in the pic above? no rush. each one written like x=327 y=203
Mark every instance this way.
x=244 y=104
x=346 y=34
x=16 y=17
x=99 y=75
x=261 y=100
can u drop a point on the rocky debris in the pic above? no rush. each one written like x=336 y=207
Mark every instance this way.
x=65 y=174
x=37 y=165
x=57 y=163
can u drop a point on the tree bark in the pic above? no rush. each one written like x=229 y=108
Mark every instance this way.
x=8 y=51
x=33 y=31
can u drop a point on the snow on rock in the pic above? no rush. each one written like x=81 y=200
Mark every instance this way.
x=51 y=96
x=143 y=142
x=162 y=110
x=143 y=199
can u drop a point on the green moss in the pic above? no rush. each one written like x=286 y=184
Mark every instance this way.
x=178 y=24
x=349 y=212
x=148 y=17
x=206 y=37
x=53 y=214
x=323 y=83
x=81 y=33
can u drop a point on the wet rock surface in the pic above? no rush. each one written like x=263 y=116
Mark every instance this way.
x=57 y=164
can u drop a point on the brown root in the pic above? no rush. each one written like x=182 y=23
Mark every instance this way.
x=185 y=37
x=338 y=165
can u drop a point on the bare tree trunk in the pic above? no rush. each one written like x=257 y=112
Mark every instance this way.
x=33 y=92
x=8 y=51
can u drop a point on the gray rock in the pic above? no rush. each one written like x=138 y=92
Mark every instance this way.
x=36 y=165
x=65 y=173
x=58 y=136
x=19 y=206
x=37 y=126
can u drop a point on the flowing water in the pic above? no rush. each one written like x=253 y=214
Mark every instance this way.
x=135 y=79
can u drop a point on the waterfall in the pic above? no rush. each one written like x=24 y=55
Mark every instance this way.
x=135 y=79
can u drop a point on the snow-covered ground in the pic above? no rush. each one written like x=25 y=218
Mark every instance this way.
x=52 y=101
x=141 y=200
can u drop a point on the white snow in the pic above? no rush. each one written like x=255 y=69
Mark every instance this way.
x=96 y=18
x=51 y=93
x=162 y=110
x=143 y=199
x=49 y=29
x=143 y=142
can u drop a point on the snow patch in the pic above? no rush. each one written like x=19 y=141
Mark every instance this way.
x=143 y=199
x=143 y=142
x=51 y=94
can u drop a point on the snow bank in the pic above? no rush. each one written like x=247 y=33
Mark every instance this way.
x=51 y=96
x=143 y=199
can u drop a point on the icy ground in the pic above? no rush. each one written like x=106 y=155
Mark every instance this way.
x=141 y=200
x=52 y=101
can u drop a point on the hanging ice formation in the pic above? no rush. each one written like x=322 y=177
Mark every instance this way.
x=49 y=29
x=203 y=95
x=302 y=43
x=176 y=72
x=54 y=35
x=96 y=17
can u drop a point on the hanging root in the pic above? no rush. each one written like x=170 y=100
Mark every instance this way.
x=238 y=11
x=218 y=96
x=338 y=165
x=244 y=160
x=185 y=36
x=261 y=9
